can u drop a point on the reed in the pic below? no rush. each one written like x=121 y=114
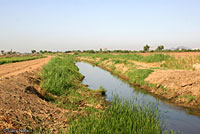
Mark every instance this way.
x=59 y=75
x=122 y=117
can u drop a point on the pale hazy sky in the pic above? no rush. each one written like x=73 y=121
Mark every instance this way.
x=93 y=24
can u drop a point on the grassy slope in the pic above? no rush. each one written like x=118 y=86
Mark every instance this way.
x=136 y=57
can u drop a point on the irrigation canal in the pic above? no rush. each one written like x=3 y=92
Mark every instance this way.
x=176 y=118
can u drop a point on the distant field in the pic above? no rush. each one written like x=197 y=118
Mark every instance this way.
x=176 y=54
x=5 y=60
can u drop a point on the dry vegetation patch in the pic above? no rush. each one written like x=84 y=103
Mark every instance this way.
x=121 y=68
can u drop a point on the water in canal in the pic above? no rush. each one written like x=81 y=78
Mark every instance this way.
x=176 y=118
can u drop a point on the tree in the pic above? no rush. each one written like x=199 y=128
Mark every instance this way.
x=2 y=52
x=100 y=50
x=33 y=51
x=159 y=48
x=146 y=47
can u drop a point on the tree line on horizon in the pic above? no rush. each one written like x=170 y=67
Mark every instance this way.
x=146 y=48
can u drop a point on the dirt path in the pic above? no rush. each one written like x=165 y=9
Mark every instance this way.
x=7 y=70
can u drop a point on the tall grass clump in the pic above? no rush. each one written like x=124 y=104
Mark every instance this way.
x=122 y=117
x=59 y=75
x=156 y=58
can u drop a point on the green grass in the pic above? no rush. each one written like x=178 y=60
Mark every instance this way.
x=59 y=74
x=189 y=98
x=136 y=57
x=122 y=117
x=6 y=60
x=156 y=58
x=138 y=76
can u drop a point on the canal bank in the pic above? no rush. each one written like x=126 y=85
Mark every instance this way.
x=178 y=118
x=142 y=75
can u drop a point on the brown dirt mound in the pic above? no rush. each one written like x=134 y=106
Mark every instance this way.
x=22 y=106
x=178 y=83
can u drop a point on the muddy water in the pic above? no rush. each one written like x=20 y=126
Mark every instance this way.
x=176 y=118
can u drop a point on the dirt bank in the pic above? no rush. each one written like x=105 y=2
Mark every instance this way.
x=22 y=106
x=180 y=85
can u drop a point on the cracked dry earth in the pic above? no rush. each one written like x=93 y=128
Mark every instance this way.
x=21 y=105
